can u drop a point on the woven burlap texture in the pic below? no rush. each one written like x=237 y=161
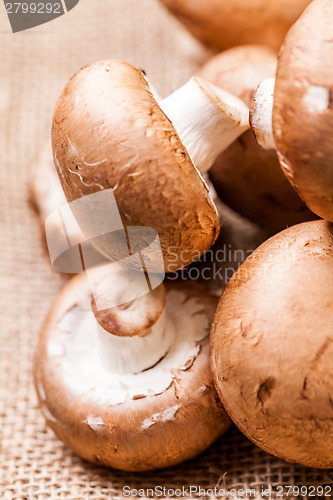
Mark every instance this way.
x=34 y=66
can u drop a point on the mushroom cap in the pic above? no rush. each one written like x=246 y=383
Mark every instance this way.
x=109 y=132
x=245 y=176
x=226 y=23
x=303 y=109
x=271 y=345
x=142 y=432
x=123 y=320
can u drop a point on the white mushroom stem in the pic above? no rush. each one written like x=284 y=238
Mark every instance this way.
x=133 y=326
x=206 y=118
x=262 y=112
x=134 y=354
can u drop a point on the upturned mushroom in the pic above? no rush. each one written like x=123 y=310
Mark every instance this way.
x=110 y=132
x=272 y=345
x=130 y=386
x=247 y=177
x=294 y=114
x=224 y=24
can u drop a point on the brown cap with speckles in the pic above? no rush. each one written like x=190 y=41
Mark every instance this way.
x=109 y=132
x=272 y=349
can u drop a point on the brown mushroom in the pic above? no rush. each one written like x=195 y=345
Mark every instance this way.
x=272 y=345
x=245 y=176
x=297 y=119
x=226 y=23
x=109 y=132
x=130 y=387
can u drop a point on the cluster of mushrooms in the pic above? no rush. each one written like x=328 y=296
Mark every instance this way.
x=154 y=380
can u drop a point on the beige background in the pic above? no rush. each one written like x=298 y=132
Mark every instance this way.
x=34 y=67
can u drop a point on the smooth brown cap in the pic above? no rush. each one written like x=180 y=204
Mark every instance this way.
x=226 y=23
x=245 y=176
x=303 y=108
x=109 y=132
x=122 y=440
x=272 y=349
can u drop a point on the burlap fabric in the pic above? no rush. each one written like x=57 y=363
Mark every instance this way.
x=34 y=66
